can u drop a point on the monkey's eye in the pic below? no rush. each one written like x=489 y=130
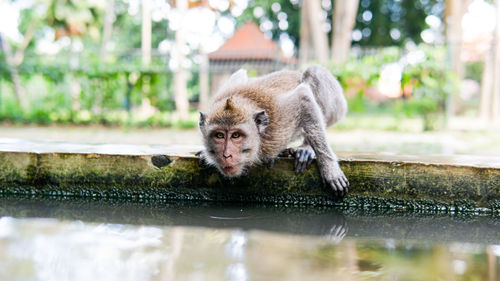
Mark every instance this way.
x=235 y=135
x=219 y=135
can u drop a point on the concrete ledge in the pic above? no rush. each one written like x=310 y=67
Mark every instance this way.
x=427 y=184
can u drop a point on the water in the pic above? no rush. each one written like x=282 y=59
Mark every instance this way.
x=43 y=239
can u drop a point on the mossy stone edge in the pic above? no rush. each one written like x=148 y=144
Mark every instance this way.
x=375 y=184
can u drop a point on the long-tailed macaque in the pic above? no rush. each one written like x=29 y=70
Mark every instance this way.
x=252 y=120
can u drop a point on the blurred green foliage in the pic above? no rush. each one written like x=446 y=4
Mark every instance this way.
x=113 y=94
x=426 y=82
x=109 y=94
x=432 y=82
x=82 y=88
x=406 y=17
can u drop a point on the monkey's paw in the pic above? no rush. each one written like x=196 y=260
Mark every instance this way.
x=303 y=159
x=337 y=181
x=303 y=155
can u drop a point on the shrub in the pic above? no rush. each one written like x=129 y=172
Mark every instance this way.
x=426 y=82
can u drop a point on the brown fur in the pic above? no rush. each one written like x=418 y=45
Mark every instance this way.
x=266 y=113
x=261 y=93
x=228 y=114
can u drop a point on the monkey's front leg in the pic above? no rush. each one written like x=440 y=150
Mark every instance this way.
x=314 y=127
x=332 y=175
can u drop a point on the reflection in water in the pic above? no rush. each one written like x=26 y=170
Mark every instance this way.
x=115 y=240
x=333 y=223
x=176 y=246
x=235 y=249
x=50 y=249
x=338 y=230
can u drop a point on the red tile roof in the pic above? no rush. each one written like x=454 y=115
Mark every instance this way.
x=248 y=42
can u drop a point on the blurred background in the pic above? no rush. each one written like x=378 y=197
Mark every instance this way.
x=420 y=76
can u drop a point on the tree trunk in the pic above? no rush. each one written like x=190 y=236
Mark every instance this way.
x=204 y=82
x=108 y=28
x=318 y=35
x=453 y=14
x=15 y=60
x=343 y=21
x=489 y=109
x=312 y=31
x=304 y=54
x=180 y=78
x=486 y=87
x=495 y=111
x=16 y=79
x=146 y=32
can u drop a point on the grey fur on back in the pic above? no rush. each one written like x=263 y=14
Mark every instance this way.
x=327 y=92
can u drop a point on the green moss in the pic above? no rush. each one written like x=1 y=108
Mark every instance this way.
x=17 y=167
x=374 y=184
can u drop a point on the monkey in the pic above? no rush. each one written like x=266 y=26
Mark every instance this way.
x=251 y=121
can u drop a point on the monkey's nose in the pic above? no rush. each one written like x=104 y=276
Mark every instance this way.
x=227 y=156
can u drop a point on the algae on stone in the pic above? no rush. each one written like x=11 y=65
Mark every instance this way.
x=374 y=184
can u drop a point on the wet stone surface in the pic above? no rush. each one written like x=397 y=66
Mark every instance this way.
x=378 y=181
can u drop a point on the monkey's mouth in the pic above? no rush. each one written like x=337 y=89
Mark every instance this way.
x=231 y=170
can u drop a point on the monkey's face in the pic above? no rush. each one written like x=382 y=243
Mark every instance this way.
x=232 y=133
x=233 y=148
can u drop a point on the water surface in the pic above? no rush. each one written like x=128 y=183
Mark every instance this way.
x=42 y=239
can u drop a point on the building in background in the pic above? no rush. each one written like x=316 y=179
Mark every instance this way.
x=248 y=48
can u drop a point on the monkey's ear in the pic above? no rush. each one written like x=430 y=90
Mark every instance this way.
x=203 y=118
x=261 y=120
x=239 y=76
